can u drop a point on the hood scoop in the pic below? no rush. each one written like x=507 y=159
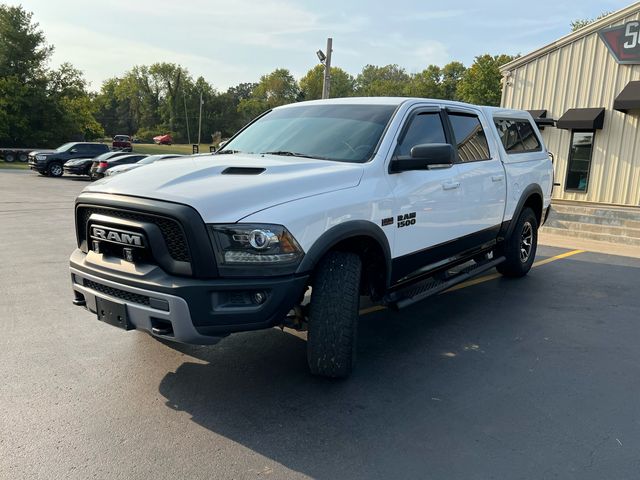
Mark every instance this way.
x=242 y=171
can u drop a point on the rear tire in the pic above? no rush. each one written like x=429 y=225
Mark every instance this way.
x=9 y=157
x=55 y=169
x=333 y=315
x=23 y=157
x=520 y=248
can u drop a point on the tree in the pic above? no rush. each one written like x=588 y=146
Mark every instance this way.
x=40 y=107
x=274 y=89
x=23 y=49
x=390 y=80
x=426 y=84
x=481 y=83
x=452 y=73
x=342 y=84
x=583 y=22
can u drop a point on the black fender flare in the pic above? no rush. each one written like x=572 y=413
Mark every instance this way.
x=344 y=231
x=507 y=227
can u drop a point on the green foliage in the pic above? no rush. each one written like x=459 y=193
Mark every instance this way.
x=23 y=50
x=342 y=84
x=39 y=106
x=583 y=22
x=275 y=89
x=426 y=84
x=481 y=83
x=390 y=80
x=452 y=73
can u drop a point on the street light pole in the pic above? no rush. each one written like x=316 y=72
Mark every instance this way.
x=200 y=118
x=326 y=82
x=186 y=116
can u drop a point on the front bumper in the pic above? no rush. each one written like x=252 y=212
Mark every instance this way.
x=181 y=309
x=76 y=169
x=37 y=166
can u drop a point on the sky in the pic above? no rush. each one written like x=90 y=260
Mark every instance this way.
x=229 y=42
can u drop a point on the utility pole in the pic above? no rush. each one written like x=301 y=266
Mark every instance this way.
x=200 y=118
x=186 y=117
x=326 y=82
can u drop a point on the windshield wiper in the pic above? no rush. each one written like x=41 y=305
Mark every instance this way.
x=286 y=153
x=229 y=152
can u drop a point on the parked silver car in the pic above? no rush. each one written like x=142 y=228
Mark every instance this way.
x=144 y=161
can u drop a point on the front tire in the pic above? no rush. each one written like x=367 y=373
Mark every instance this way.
x=333 y=315
x=55 y=169
x=520 y=248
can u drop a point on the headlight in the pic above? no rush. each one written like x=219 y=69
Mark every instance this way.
x=256 y=246
x=41 y=157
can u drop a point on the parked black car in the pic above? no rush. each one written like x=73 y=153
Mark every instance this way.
x=51 y=164
x=99 y=168
x=82 y=166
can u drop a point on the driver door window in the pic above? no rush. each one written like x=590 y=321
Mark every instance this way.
x=424 y=128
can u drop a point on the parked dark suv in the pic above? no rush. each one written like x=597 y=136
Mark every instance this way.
x=51 y=163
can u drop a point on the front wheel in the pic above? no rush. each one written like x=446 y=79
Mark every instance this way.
x=55 y=169
x=333 y=315
x=520 y=248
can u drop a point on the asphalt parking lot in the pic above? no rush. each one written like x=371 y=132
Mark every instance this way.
x=509 y=379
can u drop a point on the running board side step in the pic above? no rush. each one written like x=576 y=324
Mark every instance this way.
x=426 y=288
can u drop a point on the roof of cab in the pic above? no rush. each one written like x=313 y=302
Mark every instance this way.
x=397 y=101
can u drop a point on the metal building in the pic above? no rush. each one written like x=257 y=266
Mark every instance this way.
x=588 y=84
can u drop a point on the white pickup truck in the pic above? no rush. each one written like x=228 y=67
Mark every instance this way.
x=392 y=198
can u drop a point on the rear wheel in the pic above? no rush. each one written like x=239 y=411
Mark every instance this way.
x=520 y=248
x=55 y=169
x=9 y=157
x=23 y=157
x=333 y=315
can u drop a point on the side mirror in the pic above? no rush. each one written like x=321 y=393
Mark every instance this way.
x=424 y=156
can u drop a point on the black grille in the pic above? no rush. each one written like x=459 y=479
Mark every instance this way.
x=171 y=230
x=116 y=292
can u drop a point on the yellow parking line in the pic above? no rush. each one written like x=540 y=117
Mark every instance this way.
x=486 y=278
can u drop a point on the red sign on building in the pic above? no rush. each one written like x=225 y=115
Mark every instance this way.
x=623 y=42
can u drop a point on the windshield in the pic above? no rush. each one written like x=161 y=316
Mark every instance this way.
x=345 y=133
x=65 y=147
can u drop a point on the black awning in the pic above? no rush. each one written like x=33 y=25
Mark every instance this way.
x=540 y=117
x=538 y=113
x=629 y=98
x=582 y=119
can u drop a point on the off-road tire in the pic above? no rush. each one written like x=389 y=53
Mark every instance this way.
x=54 y=169
x=333 y=315
x=517 y=264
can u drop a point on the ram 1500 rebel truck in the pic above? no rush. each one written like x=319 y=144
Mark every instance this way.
x=392 y=198
x=52 y=163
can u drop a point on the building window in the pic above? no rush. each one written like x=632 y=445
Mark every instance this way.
x=579 y=161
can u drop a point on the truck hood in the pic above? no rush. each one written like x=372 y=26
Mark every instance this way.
x=222 y=195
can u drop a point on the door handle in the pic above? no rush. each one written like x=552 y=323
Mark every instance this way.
x=497 y=178
x=450 y=185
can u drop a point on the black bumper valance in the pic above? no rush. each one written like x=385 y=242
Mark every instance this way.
x=582 y=119
x=629 y=98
